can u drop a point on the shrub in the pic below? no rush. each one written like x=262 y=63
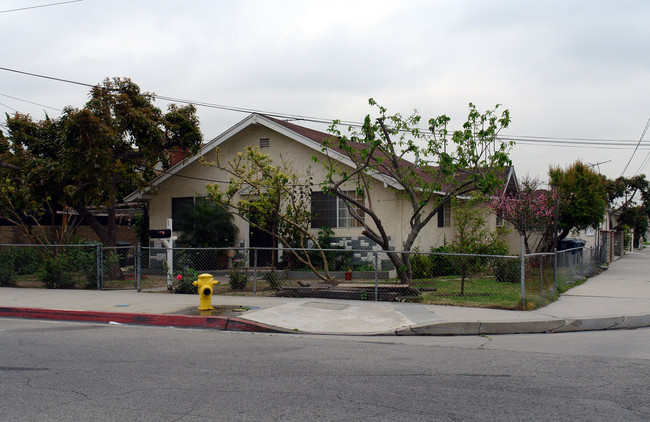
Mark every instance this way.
x=183 y=285
x=205 y=224
x=238 y=279
x=363 y=267
x=421 y=266
x=53 y=273
x=273 y=278
x=25 y=259
x=7 y=269
x=85 y=261
x=507 y=270
x=441 y=265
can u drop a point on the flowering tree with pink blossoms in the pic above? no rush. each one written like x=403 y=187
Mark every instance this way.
x=529 y=210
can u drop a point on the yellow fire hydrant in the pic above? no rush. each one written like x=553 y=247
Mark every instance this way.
x=204 y=285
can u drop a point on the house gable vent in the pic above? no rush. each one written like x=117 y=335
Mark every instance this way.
x=265 y=143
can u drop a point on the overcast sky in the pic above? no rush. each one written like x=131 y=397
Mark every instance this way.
x=565 y=69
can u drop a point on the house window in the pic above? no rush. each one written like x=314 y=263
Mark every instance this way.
x=444 y=215
x=328 y=210
x=181 y=207
x=500 y=221
x=265 y=142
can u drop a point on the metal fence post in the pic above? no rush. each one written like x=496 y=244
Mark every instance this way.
x=541 y=274
x=555 y=270
x=255 y=271
x=100 y=269
x=137 y=267
x=376 y=276
x=522 y=275
x=169 y=256
x=582 y=262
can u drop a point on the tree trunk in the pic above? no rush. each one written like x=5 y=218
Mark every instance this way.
x=402 y=264
x=564 y=234
x=106 y=236
x=527 y=248
x=110 y=229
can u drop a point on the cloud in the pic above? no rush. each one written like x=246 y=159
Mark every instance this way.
x=565 y=68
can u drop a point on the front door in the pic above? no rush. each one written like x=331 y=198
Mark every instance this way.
x=260 y=239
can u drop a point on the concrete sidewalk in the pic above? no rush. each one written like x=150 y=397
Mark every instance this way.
x=617 y=298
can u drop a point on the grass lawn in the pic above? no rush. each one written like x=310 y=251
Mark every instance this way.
x=479 y=292
x=484 y=291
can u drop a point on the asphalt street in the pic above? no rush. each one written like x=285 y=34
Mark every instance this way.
x=61 y=371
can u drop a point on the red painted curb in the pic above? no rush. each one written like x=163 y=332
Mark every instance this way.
x=215 y=322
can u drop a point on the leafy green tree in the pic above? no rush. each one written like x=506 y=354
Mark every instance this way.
x=634 y=210
x=24 y=200
x=259 y=188
x=629 y=189
x=585 y=194
x=91 y=157
x=447 y=164
x=582 y=198
x=473 y=237
x=206 y=225
x=636 y=218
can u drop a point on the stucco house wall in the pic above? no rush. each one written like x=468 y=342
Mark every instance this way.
x=190 y=177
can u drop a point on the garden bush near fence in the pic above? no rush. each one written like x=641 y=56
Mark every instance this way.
x=54 y=266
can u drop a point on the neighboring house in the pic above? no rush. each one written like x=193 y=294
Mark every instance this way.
x=185 y=184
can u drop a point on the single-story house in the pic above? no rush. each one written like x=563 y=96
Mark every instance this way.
x=185 y=182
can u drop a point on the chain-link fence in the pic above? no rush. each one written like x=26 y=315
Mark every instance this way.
x=117 y=268
x=480 y=280
x=87 y=266
x=441 y=278
x=546 y=274
x=466 y=279
x=54 y=267
x=577 y=264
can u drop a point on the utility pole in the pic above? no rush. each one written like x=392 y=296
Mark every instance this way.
x=556 y=212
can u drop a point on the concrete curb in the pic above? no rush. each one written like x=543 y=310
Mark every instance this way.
x=556 y=325
x=441 y=328
x=185 y=321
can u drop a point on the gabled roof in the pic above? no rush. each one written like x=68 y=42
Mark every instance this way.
x=507 y=174
x=308 y=137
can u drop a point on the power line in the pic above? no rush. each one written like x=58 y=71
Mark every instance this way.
x=10 y=108
x=555 y=138
x=203 y=179
x=30 y=102
x=574 y=144
x=52 y=78
x=637 y=146
x=644 y=163
x=519 y=139
x=42 y=5
x=197 y=103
